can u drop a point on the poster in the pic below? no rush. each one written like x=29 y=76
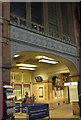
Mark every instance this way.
x=41 y=92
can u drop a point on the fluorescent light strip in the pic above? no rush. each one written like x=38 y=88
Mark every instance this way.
x=26 y=65
x=25 y=68
x=48 y=61
x=16 y=56
x=44 y=57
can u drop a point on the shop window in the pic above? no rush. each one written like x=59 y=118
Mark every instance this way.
x=64 y=14
x=52 y=16
x=17 y=91
x=37 y=12
x=17 y=78
x=26 y=88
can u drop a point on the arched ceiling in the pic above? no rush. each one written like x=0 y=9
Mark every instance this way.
x=64 y=66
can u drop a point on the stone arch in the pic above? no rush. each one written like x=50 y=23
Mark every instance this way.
x=69 y=61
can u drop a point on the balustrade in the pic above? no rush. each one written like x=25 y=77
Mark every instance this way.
x=39 y=28
x=57 y=35
x=18 y=20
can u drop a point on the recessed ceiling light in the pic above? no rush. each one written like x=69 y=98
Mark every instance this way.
x=26 y=65
x=48 y=61
x=16 y=56
x=44 y=57
x=25 y=68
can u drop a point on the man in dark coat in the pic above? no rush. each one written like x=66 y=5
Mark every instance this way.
x=26 y=99
x=80 y=103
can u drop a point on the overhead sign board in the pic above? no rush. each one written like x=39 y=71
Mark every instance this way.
x=70 y=83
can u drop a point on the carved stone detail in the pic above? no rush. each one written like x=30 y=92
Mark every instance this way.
x=55 y=46
x=36 y=39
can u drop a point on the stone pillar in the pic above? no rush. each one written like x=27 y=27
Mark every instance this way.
x=50 y=91
x=45 y=11
x=1 y=62
x=22 y=83
x=6 y=65
x=75 y=105
x=46 y=91
x=28 y=14
x=76 y=20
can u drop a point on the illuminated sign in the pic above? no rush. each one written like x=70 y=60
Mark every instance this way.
x=70 y=83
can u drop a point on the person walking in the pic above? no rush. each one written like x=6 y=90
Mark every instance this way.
x=80 y=103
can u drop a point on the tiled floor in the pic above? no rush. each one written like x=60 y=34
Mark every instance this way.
x=63 y=112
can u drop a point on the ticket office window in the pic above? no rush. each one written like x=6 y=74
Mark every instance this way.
x=17 y=92
x=26 y=88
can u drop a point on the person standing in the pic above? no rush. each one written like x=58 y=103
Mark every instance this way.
x=32 y=98
x=27 y=98
x=80 y=103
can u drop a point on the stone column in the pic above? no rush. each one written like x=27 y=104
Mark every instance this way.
x=28 y=14
x=1 y=62
x=45 y=11
x=6 y=65
x=76 y=20
x=50 y=95
x=22 y=83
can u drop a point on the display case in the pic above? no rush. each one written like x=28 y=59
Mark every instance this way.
x=8 y=103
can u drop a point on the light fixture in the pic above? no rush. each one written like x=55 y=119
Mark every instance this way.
x=16 y=56
x=48 y=61
x=25 y=68
x=26 y=65
x=44 y=57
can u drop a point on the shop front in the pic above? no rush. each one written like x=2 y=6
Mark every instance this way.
x=21 y=83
